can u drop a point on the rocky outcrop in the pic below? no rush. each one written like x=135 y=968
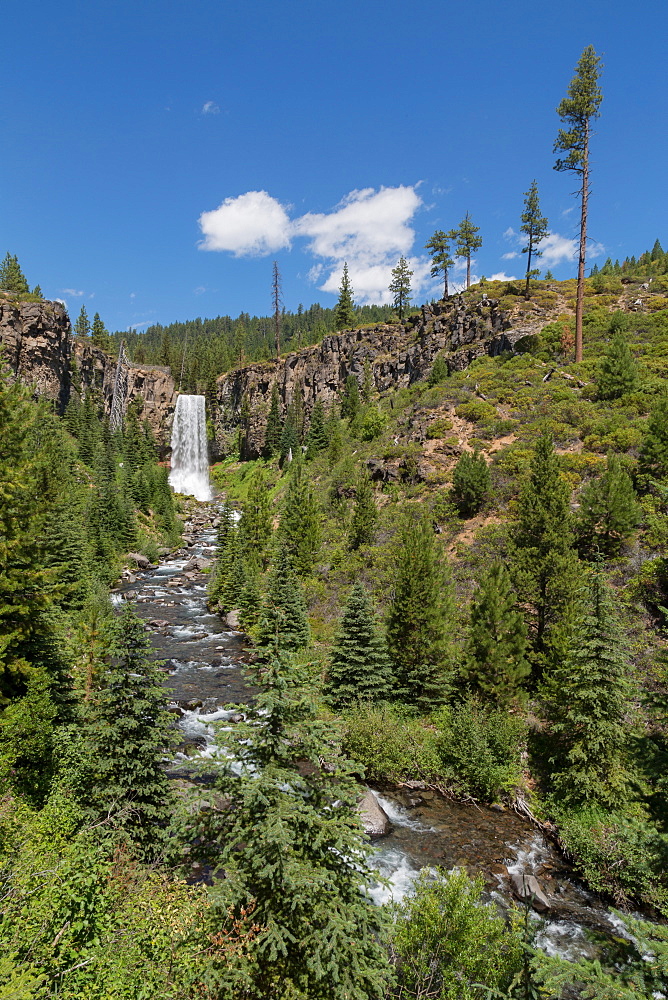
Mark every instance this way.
x=396 y=355
x=39 y=348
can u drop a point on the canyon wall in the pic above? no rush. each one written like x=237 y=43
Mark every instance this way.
x=39 y=348
x=397 y=357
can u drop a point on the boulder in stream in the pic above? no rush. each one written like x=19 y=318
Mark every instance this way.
x=528 y=889
x=232 y=621
x=140 y=559
x=375 y=820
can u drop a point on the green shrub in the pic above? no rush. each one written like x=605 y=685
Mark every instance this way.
x=481 y=748
x=624 y=856
x=476 y=409
x=439 y=428
x=470 y=483
x=389 y=745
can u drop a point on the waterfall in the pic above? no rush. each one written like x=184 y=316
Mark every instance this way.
x=190 y=459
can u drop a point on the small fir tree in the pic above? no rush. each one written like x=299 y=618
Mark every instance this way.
x=467 y=242
x=544 y=563
x=400 y=287
x=365 y=513
x=360 y=668
x=653 y=457
x=100 y=335
x=289 y=445
x=256 y=519
x=618 y=371
x=471 y=483
x=283 y=619
x=350 y=402
x=82 y=325
x=609 y=512
x=12 y=278
x=317 y=439
x=418 y=617
x=439 y=371
x=535 y=227
x=294 y=855
x=344 y=310
x=589 y=701
x=299 y=528
x=272 y=437
x=441 y=261
x=496 y=665
x=128 y=732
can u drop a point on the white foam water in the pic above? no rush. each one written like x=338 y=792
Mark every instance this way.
x=190 y=459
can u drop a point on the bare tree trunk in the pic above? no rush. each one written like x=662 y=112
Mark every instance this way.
x=276 y=298
x=445 y=283
x=526 y=290
x=468 y=271
x=579 y=304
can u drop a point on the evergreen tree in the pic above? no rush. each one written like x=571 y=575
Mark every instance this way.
x=317 y=439
x=609 y=512
x=365 y=513
x=467 y=242
x=82 y=325
x=350 y=402
x=441 y=261
x=100 y=335
x=299 y=528
x=418 y=617
x=283 y=621
x=255 y=524
x=496 y=663
x=292 y=851
x=618 y=372
x=471 y=483
x=544 y=563
x=534 y=226
x=12 y=278
x=589 y=700
x=128 y=731
x=576 y=111
x=360 y=667
x=25 y=583
x=344 y=310
x=439 y=371
x=653 y=457
x=289 y=442
x=400 y=287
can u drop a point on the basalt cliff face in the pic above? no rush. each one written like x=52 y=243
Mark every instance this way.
x=397 y=356
x=39 y=348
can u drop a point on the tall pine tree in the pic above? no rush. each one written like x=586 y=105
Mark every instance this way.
x=344 y=310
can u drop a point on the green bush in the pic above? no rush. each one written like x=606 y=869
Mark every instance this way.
x=476 y=409
x=439 y=428
x=390 y=745
x=621 y=855
x=481 y=748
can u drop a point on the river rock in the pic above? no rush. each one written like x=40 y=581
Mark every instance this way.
x=140 y=559
x=190 y=566
x=202 y=564
x=375 y=820
x=528 y=889
x=232 y=621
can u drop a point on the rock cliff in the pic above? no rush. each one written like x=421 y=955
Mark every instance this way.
x=40 y=349
x=397 y=357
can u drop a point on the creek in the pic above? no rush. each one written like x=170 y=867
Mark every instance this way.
x=203 y=664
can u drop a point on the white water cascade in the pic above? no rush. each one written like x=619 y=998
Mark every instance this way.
x=190 y=459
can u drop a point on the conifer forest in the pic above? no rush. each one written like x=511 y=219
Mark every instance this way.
x=384 y=712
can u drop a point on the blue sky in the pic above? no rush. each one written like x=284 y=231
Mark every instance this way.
x=158 y=155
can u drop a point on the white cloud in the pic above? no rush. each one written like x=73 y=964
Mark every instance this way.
x=71 y=291
x=557 y=249
x=509 y=256
x=254 y=224
x=502 y=276
x=210 y=108
x=136 y=326
x=199 y=290
x=370 y=229
x=510 y=233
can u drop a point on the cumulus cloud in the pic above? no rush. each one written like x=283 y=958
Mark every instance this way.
x=369 y=228
x=557 y=249
x=502 y=276
x=71 y=291
x=509 y=256
x=210 y=108
x=254 y=224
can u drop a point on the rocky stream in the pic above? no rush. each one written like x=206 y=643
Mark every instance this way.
x=203 y=663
